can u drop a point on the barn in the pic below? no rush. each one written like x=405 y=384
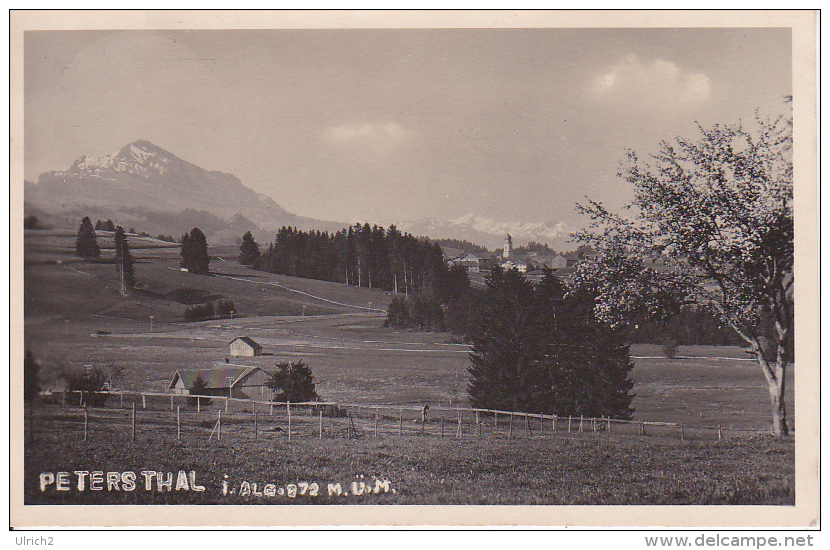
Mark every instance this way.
x=244 y=346
x=237 y=381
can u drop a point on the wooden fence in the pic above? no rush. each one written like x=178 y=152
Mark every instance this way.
x=225 y=418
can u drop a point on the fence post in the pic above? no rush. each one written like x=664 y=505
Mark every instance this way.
x=527 y=424
x=143 y=401
x=227 y=399
x=288 y=408
x=80 y=399
x=376 y=424
x=178 y=423
x=253 y=406
x=458 y=432
x=133 y=422
x=609 y=424
x=219 y=426
x=495 y=422
x=442 y=425
x=86 y=422
x=581 y=420
x=681 y=433
x=271 y=410
x=320 y=434
x=594 y=425
x=400 y=423
x=542 y=425
x=171 y=402
x=643 y=428
x=719 y=432
x=510 y=435
x=256 y=425
x=553 y=423
x=569 y=423
x=121 y=395
x=198 y=404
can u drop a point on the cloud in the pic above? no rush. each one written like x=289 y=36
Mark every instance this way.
x=380 y=138
x=652 y=83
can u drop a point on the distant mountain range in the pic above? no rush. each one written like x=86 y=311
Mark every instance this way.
x=150 y=189
x=145 y=187
x=488 y=232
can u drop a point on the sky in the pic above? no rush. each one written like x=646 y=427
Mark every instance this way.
x=517 y=125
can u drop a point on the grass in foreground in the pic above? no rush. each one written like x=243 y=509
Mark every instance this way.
x=561 y=469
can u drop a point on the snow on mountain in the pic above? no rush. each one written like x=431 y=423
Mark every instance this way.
x=543 y=231
x=142 y=179
x=488 y=232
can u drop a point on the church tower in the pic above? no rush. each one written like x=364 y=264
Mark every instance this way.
x=508 y=247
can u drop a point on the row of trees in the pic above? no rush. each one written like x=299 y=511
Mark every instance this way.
x=86 y=246
x=362 y=255
x=203 y=312
x=105 y=226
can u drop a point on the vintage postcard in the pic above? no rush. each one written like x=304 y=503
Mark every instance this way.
x=503 y=268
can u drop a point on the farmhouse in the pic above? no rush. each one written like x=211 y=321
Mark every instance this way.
x=510 y=264
x=234 y=380
x=471 y=262
x=244 y=346
x=451 y=254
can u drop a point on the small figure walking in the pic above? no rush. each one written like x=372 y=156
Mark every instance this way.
x=424 y=413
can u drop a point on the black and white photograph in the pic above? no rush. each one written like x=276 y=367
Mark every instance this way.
x=531 y=268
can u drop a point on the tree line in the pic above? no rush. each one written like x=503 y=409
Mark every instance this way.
x=362 y=255
x=86 y=246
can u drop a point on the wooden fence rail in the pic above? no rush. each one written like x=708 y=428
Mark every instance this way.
x=229 y=418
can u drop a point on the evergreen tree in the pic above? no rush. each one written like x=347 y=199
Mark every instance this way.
x=397 y=314
x=195 y=252
x=86 y=245
x=541 y=350
x=90 y=383
x=505 y=357
x=587 y=362
x=248 y=250
x=124 y=260
x=198 y=388
x=293 y=383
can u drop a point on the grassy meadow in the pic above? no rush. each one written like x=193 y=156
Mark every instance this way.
x=74 y=316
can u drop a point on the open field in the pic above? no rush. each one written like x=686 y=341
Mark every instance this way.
x=561 y=468
x=74 y=316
